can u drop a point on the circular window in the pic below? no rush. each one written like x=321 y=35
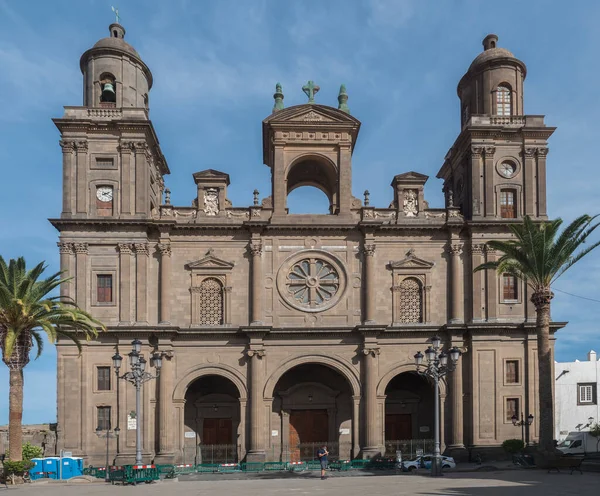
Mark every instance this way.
x=507 y=169
x=311 y=281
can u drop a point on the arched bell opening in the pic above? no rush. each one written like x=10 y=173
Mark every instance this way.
x=409 y=414
x=312 y=406
x=212 y=421
x=317 y=172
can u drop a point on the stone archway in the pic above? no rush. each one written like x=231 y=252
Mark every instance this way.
x=210 y=403
x=317 y=171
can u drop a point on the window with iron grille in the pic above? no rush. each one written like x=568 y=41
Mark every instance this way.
x=503 y=101
x=509 y=287
x=103 y=413
x=512 y=371
x=211 y=302
x=104 y=288
x=512 y=408
x=508 y=205
x=586 y=393
x=103 y=378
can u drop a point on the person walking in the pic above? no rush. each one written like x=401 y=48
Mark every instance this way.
x=322 y=454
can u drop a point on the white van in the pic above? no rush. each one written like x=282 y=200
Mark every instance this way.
x=579 y=443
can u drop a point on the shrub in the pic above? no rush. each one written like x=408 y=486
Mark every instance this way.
x=513 y=446
x=16 y=468
x=30 y=451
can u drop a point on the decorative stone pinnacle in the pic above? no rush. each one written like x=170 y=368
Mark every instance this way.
x=367 y=197
x=343 y=99
x=278 y=96
x=255 y=193
x=311 y=89
x=167 y=196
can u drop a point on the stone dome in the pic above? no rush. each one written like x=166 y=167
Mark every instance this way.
x=491 y=54
x=117 y=44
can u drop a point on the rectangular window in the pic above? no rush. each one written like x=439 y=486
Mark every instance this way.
x=508 y=207
x=512 y=408
x=586 y=394
x=512 y=371
x=104 y=288
x=103 y=417
x=509 y=287
x=104 y=163
x=103 y=378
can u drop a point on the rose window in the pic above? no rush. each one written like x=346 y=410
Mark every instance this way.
x=312 y=282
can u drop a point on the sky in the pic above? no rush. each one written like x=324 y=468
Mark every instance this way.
x=215 y=65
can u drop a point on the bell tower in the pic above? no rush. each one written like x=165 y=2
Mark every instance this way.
x=113 y=166
x=496 y=168
x=310 y=145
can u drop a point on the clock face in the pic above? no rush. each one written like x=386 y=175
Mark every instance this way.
x=104 y=193
x=507 y=169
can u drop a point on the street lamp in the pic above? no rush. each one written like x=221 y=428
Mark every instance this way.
x=137 y=377
x=437 y=367
x=522 y=423
x=107 y=435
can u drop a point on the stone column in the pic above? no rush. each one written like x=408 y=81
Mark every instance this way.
x=476 y=173
x=491 y=287
x=371 y=354
x=529 y=183
x=255 y=249
x=165 y=281
x=141 y=251
x=478 y=301
x=279 y=181
x=456 y=392
x=82 y=181
x=355 y=426
x=66 y=253
x=81 y=252
x=370 y=291
x=257 y=435
x=125 y=190
x=141 y=174
x=456 y=276
x=165 y=413
x=125 y=283
x=490 y=210
x=541 y=181
x=68 y=149
x=344 y=196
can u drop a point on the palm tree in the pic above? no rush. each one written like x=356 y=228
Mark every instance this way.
x=26 y=313
x=539 y=256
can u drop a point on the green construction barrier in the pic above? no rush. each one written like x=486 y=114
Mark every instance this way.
x=359 y=463
x=207 y=468
x=184 y=469
x=296 y=466
x=341 y=465
x=228 y=468
x=134 y=474
x=274 y=466
x=252 y=467
x=167 y=470
x=313 y=465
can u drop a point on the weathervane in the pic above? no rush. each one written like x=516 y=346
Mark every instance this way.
x=311 y=90
x=116 y=11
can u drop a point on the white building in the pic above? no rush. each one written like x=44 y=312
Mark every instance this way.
x=576 y=395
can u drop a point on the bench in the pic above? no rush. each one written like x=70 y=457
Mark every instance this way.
x=571 y=463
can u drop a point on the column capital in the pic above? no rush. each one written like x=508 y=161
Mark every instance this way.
x=489 y=151
x=67 y=248
x=369 y=249
x=454 y=249
x=255 y=248
x=476 y=151
x=80 y=248
x=164 y=249
x=125 y=146
x=371 y=350
x=542 y=152
x=68 y=146
x=141 y=248
x=81 y=145
x=256 y=353
x=477 y=249
x=489 y=250
x=140 y=146
x=125 y=248
x=529 y=152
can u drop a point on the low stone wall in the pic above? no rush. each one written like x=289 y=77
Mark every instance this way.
x=37 y=435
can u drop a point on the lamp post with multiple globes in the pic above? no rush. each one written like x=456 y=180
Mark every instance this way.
x=437 y=366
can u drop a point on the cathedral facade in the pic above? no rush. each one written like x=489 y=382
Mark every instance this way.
x=280 y=330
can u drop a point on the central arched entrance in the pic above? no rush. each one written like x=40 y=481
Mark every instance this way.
x=212 y=419
x=312 y=405
x=409 y=414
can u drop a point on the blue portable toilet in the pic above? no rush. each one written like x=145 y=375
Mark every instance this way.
x=35 y=472
x=71 y=467
x=44 y=468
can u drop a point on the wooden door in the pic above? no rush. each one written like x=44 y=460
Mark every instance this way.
x=307 y=426
x=217 y=431
x=398 y=427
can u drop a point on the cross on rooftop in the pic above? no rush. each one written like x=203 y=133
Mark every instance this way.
x=311 y=89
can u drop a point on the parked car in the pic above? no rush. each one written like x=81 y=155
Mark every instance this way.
x=424 y=461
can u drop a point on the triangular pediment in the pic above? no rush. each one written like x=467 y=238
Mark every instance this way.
x=210 y=262
x=411 y=262
x=411 y=175
x=311 y=114
x=211 y=174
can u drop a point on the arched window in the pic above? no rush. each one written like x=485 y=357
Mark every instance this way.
x=509 y=288
x=211 y=302
x=411 y=301
x=508 y=204
x=503 y=100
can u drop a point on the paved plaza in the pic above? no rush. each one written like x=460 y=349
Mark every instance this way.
x=501 y=483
